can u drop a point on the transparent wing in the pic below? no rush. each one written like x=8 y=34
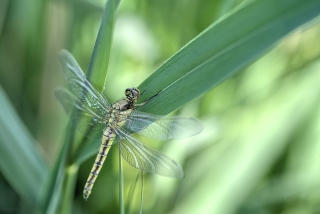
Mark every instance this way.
x=80 y=86
x=162 y=127
x=87 y=121
x=146 y=158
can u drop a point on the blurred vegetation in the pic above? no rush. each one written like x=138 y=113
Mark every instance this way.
x=259 y=151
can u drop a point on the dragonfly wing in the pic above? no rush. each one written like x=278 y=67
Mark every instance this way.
x=80 y=86
x=146 y=158
x=88 y=126
x=87 y=121
x=162 y=127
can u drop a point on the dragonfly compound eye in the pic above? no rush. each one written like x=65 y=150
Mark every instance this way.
x=128 y=92
x=136 y=93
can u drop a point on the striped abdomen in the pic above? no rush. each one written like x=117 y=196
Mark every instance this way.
x=107 y=139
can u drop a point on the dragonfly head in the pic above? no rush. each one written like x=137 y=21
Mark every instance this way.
x=132 y=94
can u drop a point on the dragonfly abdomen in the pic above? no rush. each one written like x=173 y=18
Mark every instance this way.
x=107 y=140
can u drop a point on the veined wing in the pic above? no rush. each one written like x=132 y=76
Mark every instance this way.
x=162 y=127
x=87 y=121
x=146 y=158
x=80 y=86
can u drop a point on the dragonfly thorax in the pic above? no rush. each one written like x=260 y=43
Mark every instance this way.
x=122 y=108
x=123 y=105
x=119 y=112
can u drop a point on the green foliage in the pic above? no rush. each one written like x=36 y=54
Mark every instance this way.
x=19 y=155
x=259 y=151
x=98 y=67
x=222 y=49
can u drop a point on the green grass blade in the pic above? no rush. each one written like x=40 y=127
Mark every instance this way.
x=224 y=48
x=220 y=51
x=89 y=148
x=68 y=190
x=97 y=71
x=132 y=190
x=121 y=196
x=141 y=192
x=131 y=193
x=20 y=160
x=52 y=190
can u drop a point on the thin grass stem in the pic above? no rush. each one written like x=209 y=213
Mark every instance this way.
x=121 y=199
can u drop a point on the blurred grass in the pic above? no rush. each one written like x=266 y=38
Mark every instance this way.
x=20 y=157
x=259 y=152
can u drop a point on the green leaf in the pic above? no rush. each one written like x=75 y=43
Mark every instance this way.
x=121 y=185
x=220 y=51
x=225 y=47
x=68 y=191
x=20 y=160
x=97 y=71
x=52 y=190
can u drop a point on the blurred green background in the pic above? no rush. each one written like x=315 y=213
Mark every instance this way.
x=259 y=151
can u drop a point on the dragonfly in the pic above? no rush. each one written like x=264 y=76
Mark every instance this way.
x=118 y=121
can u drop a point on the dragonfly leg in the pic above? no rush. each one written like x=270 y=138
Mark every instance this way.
x=147 y=100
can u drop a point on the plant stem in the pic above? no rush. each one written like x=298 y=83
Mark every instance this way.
x=141 y=193
x=121 y=199
x=68 y=190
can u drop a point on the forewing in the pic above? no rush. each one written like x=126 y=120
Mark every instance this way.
x=146 y=158
x=162 y=127
x=80 y=86
x=87 y=122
